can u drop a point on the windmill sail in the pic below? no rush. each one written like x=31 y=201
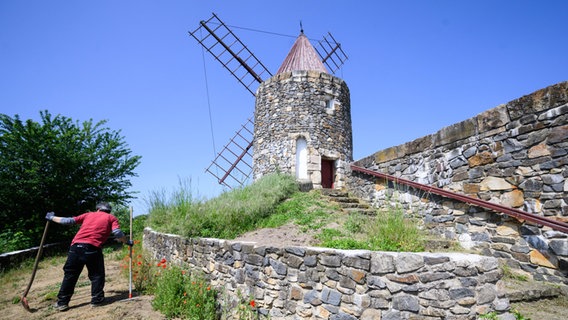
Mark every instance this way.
x=233 y=164
x=331 y=53
x=229 y=50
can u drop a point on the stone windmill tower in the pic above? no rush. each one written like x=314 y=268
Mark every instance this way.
x=303 y=121
x=302 y=118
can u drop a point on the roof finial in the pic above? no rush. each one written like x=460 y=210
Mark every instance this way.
x=301 y=28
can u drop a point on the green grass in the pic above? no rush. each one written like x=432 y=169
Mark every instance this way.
x=274 y=201
x=227 y=216
x=508 y=273
x=306 y=209
x=391 y=231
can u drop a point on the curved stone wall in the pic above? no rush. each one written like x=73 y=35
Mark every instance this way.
x=515 y=154
x=320 y=283
x=311 y=105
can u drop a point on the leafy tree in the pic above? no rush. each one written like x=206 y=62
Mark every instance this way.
x=58 y=165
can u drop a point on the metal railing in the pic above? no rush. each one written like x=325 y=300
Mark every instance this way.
x=519 y=214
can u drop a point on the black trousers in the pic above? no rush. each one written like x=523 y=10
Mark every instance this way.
x=81 y=255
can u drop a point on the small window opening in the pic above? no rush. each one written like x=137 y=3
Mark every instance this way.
x=331 y=104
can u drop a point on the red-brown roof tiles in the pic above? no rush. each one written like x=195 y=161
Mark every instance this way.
x=302 y=56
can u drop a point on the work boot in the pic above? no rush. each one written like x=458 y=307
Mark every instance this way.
x=60 y=307
x=97 y=303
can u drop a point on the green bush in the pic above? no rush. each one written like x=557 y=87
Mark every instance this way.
x=11 y=241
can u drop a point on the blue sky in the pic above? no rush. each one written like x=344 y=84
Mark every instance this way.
x=414 y=67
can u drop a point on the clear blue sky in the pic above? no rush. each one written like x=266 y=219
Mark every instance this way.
x=414 y=67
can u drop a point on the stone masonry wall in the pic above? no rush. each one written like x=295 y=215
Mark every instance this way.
x=515 y=154
x=311 y=105
x=319 y=283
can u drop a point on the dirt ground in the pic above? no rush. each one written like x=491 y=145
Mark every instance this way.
x=118 y=306
x=46 y=284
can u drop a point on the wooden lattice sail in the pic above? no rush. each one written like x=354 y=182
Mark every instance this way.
x=229 y=50
x=232 y=166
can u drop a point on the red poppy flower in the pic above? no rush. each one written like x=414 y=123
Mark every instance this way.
x=252 y=303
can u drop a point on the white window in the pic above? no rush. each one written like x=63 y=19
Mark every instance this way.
x=330 y=104
x=301 y=158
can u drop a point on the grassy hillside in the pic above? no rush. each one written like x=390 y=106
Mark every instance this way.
x=273 y=201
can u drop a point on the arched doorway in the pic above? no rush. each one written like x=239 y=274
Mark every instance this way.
x=301 y=159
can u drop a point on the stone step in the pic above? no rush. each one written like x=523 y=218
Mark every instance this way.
x=518 y=291
x=344 y=200
x=334 y=193
x=347 y=202
x=367 y=212
x=353 y=204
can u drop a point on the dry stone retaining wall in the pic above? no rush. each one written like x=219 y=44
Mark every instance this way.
x=319 y=283
x=515 y=154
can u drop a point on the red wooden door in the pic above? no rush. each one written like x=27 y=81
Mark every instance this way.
x=327 y=174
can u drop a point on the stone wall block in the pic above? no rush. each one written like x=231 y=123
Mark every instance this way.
x=408 y=262
x=330 y=260
x=381 y=264
x=390 y=154
x=293 y=261
x=513 y=199
x=559 y=247
x=428 y=277
x=332 y=297
x=455 y=132
x=494 y=184
x=493 y=118
x=406 y=303
x=357 y=262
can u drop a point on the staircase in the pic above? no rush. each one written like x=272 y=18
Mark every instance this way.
x=348 y=203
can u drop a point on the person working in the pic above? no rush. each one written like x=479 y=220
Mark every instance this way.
x=96 y=228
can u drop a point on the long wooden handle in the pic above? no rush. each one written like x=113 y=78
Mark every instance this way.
x=39 y=252
x=130 y=260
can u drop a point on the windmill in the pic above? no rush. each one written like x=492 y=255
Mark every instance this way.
x=232 y=165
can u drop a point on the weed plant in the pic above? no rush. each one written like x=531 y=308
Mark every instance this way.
x=144 y=270
x=388 y=231
x=246 y=308
x=391 y=231
x=184 y=294
x=508 y=273
x=494 y=316
x=172 y=213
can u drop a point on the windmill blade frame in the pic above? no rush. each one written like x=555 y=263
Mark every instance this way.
x=231 y=52
x=334 y=56
x=232 y=160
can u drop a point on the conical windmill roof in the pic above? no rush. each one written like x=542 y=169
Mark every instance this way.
x=302 y=56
